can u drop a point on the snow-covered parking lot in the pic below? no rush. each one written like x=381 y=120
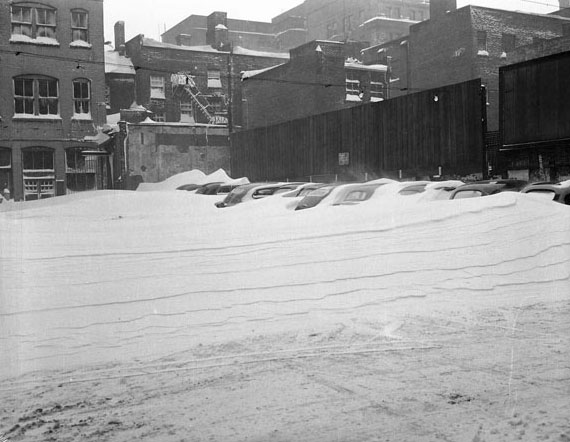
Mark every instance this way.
x=156 y=316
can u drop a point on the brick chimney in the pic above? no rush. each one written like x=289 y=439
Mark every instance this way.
x=438 y=8
x=217 y=34
x=120 y=37
x=183 y=39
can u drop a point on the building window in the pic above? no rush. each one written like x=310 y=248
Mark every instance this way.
x=33 y=22
x=6 y=188
x=157 y=87
x=214 y=81
x=186 y=113
x=81 y=97
x=79 y=26
x=38 y=173
x=397 y=13
x=36 y=96
x=376 y=90
x=508 y=42
x=481 y=40
x=352 y=87
x=159 y=117
x=331 y=29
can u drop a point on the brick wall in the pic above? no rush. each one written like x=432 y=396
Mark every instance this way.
x=63 y=61
x=444 y=50
x=312 y=82
x=159 y=151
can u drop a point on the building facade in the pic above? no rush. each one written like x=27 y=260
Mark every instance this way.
x=52 y=98
x=195 y=84
x=457 y=45
x=373 y=21
x=319 y=77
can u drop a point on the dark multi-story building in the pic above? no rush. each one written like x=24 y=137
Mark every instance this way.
x=457 y=45
x=320 y=77
x=52 y=97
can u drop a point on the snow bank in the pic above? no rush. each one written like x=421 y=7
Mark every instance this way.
x=191 y=177
x=117 y=276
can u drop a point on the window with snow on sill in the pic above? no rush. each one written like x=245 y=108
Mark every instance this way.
x=80 y=44
x=352 y=97
x=43 y=41
x=482 y=53
x=36 y=117
x=82 y=117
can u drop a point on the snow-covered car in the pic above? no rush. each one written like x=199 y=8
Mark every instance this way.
x=250 y=192
x=215 y=189
x=559 y=192
x=338 y=194
x=485 y=188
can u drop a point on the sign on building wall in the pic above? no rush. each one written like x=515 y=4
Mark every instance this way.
x=343 y=159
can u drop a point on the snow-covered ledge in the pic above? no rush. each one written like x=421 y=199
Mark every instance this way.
x=80 y=44
x=42 y=41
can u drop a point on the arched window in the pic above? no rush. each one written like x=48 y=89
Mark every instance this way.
x=36 y=95
x=38 y=172
x=33 y=23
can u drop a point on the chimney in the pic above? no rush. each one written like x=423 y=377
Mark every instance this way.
x=120 y=37
x=217 y=30
x=438 y=8
x=564 y=4
x=183 y=39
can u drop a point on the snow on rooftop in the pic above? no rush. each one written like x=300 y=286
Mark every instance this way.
x=118 y=64
x=248 y=74
x=383 y=18
x=238 y=50
x=366 y=67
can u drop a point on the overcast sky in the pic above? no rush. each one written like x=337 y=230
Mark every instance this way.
x=151 y=17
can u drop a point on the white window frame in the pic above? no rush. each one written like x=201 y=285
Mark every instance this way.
x=40 y=22
x=157 y=87
x=81 y=104
x=214 y=79
x=80 y=29
x=36 y=98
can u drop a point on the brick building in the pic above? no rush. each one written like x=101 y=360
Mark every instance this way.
x=52 y=92
x=119 y=75
x=373 y=21
x=194 y=84
x=319 y=77
x=457 y=45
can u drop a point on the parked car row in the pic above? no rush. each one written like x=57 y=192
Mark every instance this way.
x=307 y=195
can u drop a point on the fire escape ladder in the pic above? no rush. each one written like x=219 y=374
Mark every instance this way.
x=200 y=100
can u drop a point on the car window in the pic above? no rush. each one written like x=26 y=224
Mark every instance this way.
x=543 y=193
x=235 y=196
x=467 y=194
x=358 y=195
x=263 y=192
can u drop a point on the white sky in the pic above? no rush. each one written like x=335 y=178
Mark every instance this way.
x=150 y=18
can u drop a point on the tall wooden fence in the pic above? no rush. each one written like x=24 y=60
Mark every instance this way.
x=414 y=135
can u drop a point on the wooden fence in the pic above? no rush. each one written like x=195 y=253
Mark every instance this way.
x=415 y=135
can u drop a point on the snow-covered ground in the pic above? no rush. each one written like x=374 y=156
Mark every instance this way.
x=124 y=279
x=115 y=275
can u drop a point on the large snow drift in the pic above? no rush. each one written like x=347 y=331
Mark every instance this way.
x=191 y=177
x=116 y=276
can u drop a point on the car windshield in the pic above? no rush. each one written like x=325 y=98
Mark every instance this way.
x=467 y=194
x=542 y=194
x=235 y=196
